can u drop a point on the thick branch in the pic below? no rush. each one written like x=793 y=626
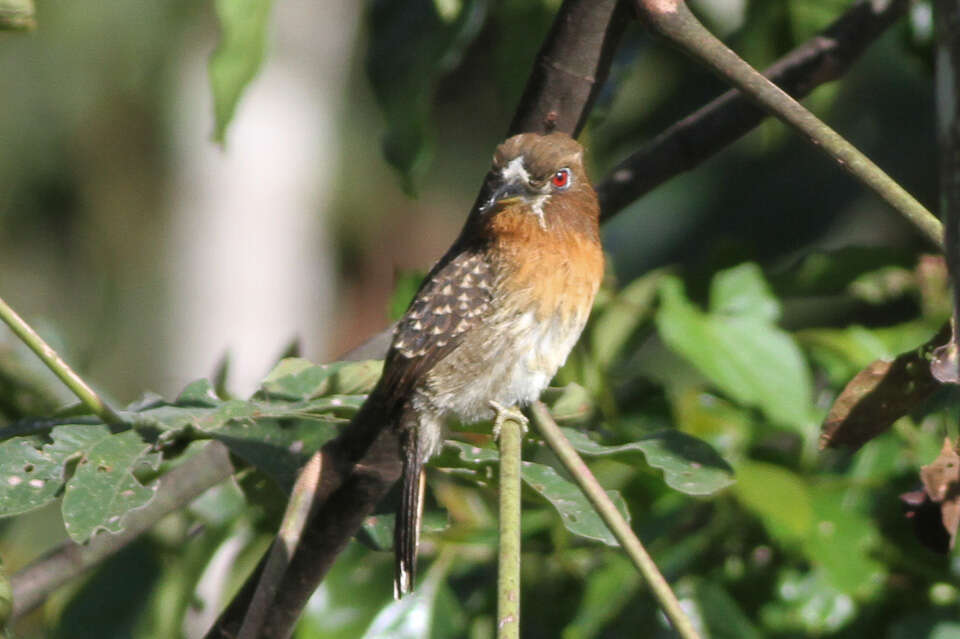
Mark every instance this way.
x=571 y=67
x=702 y=134
x=33 y=584
x=673 y=20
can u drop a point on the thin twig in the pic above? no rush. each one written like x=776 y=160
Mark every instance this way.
x=508 y=578
x=615 y=522
x=672 y=19
x=34 y=583
x=56 y=364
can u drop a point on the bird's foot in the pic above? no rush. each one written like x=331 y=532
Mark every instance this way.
x=503 y=413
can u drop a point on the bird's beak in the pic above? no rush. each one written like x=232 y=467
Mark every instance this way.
x=507 y=193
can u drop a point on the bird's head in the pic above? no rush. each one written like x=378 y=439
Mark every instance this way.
x=543 y=175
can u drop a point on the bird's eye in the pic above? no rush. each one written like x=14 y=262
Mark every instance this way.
x=561 y=179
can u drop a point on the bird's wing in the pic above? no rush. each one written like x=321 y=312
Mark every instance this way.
x=452 y=300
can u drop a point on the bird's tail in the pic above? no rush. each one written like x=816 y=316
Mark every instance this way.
x=406 y=531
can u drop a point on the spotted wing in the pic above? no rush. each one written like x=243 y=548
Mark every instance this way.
x=453 y=299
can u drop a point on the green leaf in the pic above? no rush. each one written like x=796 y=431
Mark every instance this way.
x=737 y=345
x=298 y=379
x=577 y=513
x=779 y=497
x=29 y=478
x=411 y=46
x=103 y=488
x=689 y=465
x=237 y=58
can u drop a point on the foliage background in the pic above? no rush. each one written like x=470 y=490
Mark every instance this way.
x=741 y=297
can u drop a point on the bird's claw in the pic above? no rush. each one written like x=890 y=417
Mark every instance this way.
x=503 y=413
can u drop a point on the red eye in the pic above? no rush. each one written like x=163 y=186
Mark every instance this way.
x=561 y=179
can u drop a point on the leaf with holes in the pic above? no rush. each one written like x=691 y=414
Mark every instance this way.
x=575 y=510
x=29 y=478
x=689 y=465
x=103 y=488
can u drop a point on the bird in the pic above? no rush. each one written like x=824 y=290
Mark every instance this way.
x=495 y=317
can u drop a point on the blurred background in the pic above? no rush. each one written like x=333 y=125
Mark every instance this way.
x=146 y=253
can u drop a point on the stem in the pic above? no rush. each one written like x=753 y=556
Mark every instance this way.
x=674 y=20
x=508 y=579
x=55 y=363
x=615 y=522
x=295 y=519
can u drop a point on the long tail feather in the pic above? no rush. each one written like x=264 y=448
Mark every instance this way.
x=406 y=532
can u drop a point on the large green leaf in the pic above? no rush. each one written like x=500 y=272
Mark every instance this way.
x=738 y=346
x=575 y=510
x=689 y=464
x=103 y=488
x=237 y=58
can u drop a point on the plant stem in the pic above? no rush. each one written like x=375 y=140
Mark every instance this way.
x=673 y=19
x=508 y=578
x=56 y=364
x=295 y=519
x=615 y=522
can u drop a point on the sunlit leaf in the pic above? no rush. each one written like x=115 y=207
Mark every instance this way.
x=779 y=497
x=737 y=345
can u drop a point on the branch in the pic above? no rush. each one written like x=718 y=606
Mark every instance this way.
x=605 y=507
x=34 y=583
x=672 y=19
x=571 y=67
x=705 y=132
x=56 y=364
x=946 y=364
x=508 y=560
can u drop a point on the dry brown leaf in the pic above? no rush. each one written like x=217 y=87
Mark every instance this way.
x=881 y=394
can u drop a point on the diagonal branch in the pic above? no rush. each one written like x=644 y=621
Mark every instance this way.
x=673 y=20
x=702 y=134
